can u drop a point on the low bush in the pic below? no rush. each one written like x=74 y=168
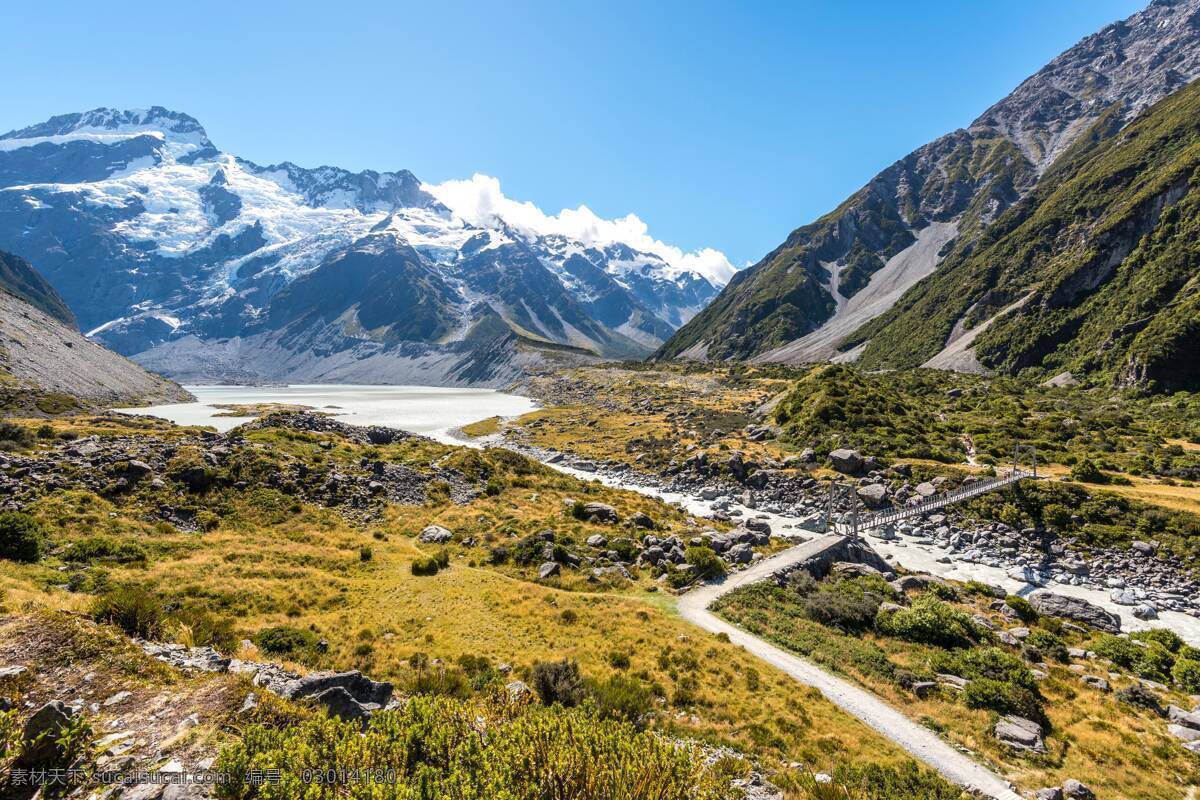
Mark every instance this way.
x=133 y=609
x=986 y=662
x=21 y=537
x=285 y=640
x=431 y=747
x=424 y=566
x=930 y=621
x=1049 y=645
x=706 y=562
x=558 y=682
x=1165 y=637
x=1022 y=607
x=1003 y=698
x=842 y=604
x=1141 y=697
x=1186 y=674
x=1151 y=661
x=104 y=548
x=14 y=436
x=623 y=698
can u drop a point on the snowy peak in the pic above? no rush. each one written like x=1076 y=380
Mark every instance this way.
x=333 y=187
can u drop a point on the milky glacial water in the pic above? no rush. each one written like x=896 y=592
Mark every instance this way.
x=428 y=410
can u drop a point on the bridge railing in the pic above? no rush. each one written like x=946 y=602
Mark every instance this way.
x=891 y=515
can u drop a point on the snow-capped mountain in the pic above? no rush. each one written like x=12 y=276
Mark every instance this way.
x=207 y=266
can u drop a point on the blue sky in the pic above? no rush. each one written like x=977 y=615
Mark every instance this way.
x=720 y=125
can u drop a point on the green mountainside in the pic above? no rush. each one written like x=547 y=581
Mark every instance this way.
x=18 y=277
x=1104 y=256
x=969 y=173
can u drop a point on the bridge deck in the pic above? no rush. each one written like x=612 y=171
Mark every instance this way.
x=893 y=515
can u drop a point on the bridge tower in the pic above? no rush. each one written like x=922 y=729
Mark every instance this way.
x=839 y=494
x=1025 y=453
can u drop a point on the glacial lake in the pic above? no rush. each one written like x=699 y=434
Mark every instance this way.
x=428 y=410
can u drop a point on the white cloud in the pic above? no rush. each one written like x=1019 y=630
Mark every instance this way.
x=479 y=201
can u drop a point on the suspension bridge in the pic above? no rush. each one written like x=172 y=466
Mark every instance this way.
x=855 y=520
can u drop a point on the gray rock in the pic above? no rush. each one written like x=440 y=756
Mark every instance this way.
x=41 y=733
x=340 y=703
x=548 y=570
x=1020 y=734
x=597 y=541
x=1183 y=733
x=1074 y=608
x=846 y=461
x=1077 y=791
x=1049 y=793
x=600 y=512
x=1096 y=682
x=741 y=553
x=435 y=534
x=873 y=495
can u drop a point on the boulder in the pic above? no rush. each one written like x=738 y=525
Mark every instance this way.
x=1183 y=733
x=1049 y=793
x=1077 y=791
x=340 y=703
x=846 y=461
x=597 y=541
x=1074 y=608
x=641 y=520
x=41 y=733
x=926 y=489
x=741 y=553
x=600 y=512
x=1020 y=734
x=435 y=534
x=873 y=495
x=548 y=570
x=358 y=686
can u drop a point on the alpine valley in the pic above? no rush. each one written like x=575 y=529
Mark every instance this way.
x=204 y=266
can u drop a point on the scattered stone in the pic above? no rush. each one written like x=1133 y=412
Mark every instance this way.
x=848 y=462
x=1077 y=791
x=600 y=512
x=41 y=734
x=548 y=570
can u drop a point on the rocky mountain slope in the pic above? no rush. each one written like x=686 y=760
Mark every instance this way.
x=41 y=355
x=18 y=277
x=1096 y=271
x=805 y=300
x=209 y=266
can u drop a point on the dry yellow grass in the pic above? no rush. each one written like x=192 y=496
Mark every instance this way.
x=1177 y=498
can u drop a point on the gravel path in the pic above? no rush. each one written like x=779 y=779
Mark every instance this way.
x=916 y=739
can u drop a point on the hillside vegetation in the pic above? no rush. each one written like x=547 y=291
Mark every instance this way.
x=1105 y=255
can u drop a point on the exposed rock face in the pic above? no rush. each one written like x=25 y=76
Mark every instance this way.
x=1058 y=605
x=886 y=237
x=45 y=355
x=1020 y=734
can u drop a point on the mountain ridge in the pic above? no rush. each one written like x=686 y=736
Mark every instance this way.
x=787 y=307
x=157 y=239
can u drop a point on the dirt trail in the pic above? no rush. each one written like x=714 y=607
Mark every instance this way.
x=920 y=742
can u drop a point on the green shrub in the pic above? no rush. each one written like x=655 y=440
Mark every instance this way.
x=558 y=682
x=14 y=436
x=706 y=562
x=425 y=566
x=1003 y=698
x=1086 y=471
x=442 y=557
x=1141 y=697
x=623 y=698
x=986 y=662
x=133 y=609
x=201 y=628
x=1186 y=674
x=1152 y=661
x=842 y=604
x=284 y=640
x=432 y=748
x=1022 y=607
x=930 y=621
x=943 y=591
x=1049 y=645
x=365 y=553
x=1165 y=637
x=21 y=537
x=104 y=548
